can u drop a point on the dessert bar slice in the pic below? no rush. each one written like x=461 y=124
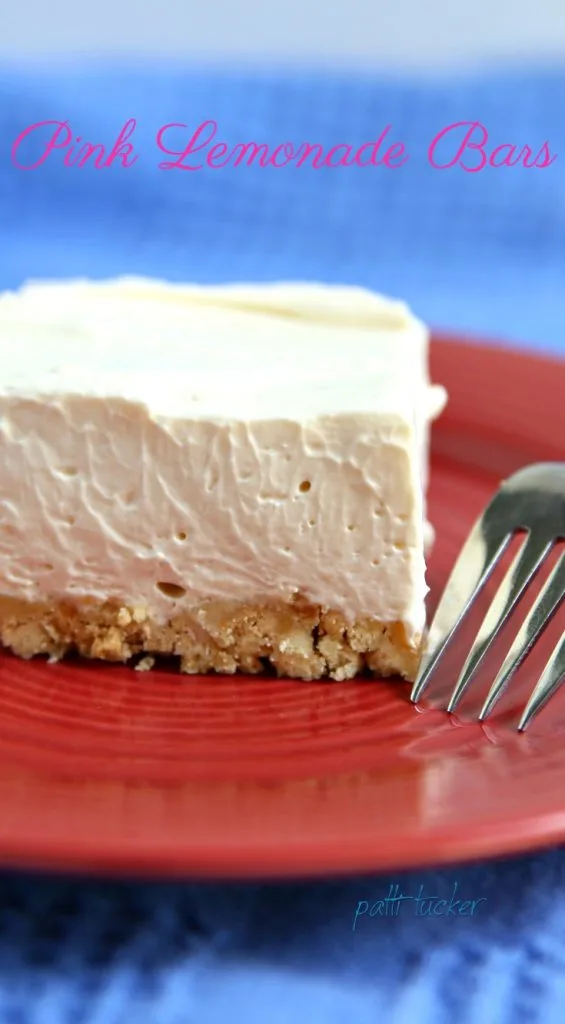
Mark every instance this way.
x=233 y=475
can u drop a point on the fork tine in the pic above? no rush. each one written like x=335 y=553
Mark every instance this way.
x=548 y=683
x=476 y=562
x=535 y=622
x=523 y=568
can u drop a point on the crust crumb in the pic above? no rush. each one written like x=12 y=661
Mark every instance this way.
x=295 y=639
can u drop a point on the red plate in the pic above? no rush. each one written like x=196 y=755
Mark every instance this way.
x=107 y=769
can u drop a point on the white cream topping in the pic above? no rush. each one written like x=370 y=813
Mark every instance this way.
x=239 y=442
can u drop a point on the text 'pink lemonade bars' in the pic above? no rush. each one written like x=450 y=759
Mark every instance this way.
x=234 y=475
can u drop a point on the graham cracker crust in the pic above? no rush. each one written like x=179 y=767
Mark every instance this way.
x=297 y=640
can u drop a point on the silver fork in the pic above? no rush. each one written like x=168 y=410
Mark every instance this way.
x=530 y=502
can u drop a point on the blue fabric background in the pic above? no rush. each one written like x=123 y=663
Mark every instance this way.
x=477 y=252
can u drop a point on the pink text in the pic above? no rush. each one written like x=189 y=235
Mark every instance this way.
x=465 y=144
x=371 y=154
x=41 y=139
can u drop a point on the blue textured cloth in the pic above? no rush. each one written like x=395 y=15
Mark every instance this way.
x=484 y=252
x=479 y=252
